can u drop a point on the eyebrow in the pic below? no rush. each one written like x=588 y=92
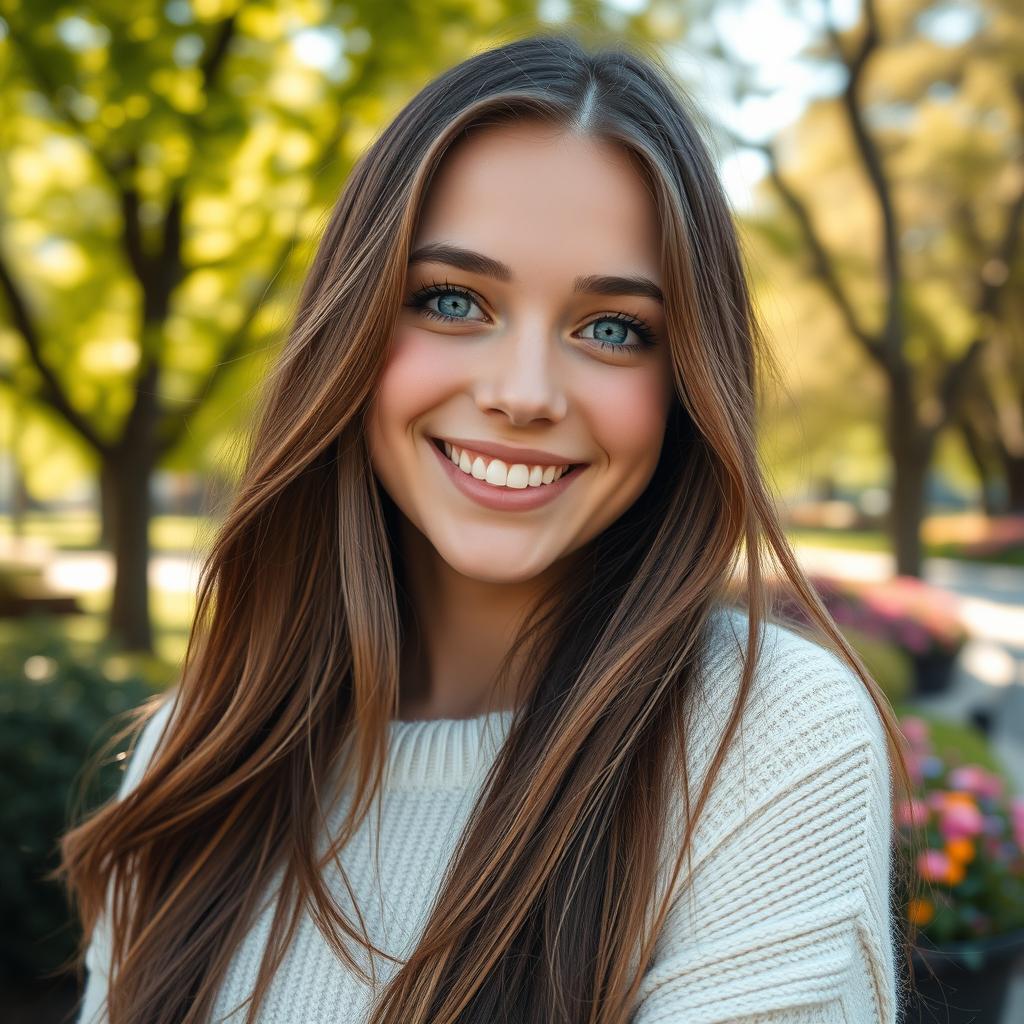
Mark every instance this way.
x=477 y=263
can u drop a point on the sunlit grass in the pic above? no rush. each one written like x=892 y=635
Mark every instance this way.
x=191 y=535
x=170 y=609
x=170 y=613
x=80 y=531
x=847 y=540
x=877 y=540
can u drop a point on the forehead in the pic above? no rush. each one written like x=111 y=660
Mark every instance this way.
x=533 y=195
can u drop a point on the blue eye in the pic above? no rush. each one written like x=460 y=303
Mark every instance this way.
x=614 y=329
x=455 y=303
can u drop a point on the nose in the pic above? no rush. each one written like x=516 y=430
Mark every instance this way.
x=516 y=377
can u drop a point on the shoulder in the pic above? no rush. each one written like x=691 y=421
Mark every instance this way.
x=806 y=709
x=140 y=754
x=787 y=904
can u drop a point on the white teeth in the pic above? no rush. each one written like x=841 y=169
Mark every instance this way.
x=499 y=474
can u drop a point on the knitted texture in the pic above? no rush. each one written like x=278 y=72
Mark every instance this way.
x=788 y=917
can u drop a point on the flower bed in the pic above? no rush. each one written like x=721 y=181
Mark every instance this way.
x=981 y=538
x=971 y=833
x=921 y=619
x=904 y=612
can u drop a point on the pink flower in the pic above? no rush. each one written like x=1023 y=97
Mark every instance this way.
x=913 y=813
x=961 y=821
x=933 y=865
x=975 y=780
x=916 y=730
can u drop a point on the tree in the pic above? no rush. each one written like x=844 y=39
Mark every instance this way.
x=866 y=179
x=166 y=167
x=991 y=418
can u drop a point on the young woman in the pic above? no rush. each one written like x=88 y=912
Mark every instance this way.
x=465 y=690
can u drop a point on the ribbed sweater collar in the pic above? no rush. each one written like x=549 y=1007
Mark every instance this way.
x=444 y=753
x=455 y=753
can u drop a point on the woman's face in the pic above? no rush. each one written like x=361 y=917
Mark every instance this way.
x=525 y=325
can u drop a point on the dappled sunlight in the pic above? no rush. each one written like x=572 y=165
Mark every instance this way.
x=997 y=622
x=992 y=664
x=91 y=571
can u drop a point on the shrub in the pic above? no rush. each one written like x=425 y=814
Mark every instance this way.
x=887 y=663
x=57 y=704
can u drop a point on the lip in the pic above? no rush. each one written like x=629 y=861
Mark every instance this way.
x=527 y=456
x=503 y=499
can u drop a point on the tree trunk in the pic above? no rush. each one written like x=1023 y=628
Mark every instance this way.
x=107 y=506
x=910 y=450
x=976 y=450
x=1013 y=468
x=128 y=474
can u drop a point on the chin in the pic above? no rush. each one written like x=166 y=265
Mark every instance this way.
x=487 y=565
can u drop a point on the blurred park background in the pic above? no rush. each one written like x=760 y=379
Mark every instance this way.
x=166 y=167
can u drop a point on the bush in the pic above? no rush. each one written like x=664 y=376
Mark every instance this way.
x=888 y=664
x=57 y=705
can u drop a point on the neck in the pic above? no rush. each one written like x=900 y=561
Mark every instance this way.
x=463 y=629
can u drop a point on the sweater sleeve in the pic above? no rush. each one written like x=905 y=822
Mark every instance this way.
x=97 y=956
x=788 y=919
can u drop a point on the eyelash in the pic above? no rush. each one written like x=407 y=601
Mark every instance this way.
x=419 y=299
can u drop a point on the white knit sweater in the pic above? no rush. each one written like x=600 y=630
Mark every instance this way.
x=793 y=914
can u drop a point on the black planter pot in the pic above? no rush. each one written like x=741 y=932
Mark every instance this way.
x=933 y=672
x=971 y=980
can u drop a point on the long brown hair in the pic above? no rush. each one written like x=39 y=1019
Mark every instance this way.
x=292 y=670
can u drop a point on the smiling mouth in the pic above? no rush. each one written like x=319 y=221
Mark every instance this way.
x=571 y=467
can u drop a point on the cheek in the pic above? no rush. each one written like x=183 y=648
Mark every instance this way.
x=415 y=379
x=627 y=414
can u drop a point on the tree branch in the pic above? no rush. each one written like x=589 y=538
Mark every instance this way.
x=174 y=425
x=52 y=391
x=160 y=274
x=892 y=332
x=216 y=53
x=40 y=77
x=990 y=289
x=822 y=262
